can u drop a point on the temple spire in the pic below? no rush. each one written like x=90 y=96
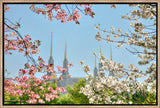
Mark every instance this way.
x=95 y=69
x=51 y=43
x=51 y=60
x=95 y=61
x=100 y=53
x=100 y=62
x=65 y=62
x=111 y=52
x=65 y=53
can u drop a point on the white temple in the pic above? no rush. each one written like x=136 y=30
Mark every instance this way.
x=100 y=65
x=66 y=79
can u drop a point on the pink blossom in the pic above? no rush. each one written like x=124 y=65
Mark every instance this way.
x=53 y=74
x=38 y=42
x=70 y=65
x=49 y=78
x=41 y=87
x=38 y=81
x=61 y=15
x=14 y=34
x=60 y=89
x=21 y=50
x=27 y=66
x=32 y=92
x=27 y=53
x=36 y=51
x=23 y=79
x=40 y=58
x=50 y=68
x=76 y=15
x=45 y=77
x=64 y=70
x=47 y=9
x=15 y=27
x=32 y=7
x=6 y=8
x=81 y=5
x=69 y=18
x=50 y=88
x=47 y=98
x=41 y=101
x=59 y=68
x=88 y=11
x=28 y=37
x=27 y=91
x=37 y=96
x=32 y=100
x=43 y=12
x=32 y=69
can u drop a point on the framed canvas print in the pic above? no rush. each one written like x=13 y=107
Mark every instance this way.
x=79 y=53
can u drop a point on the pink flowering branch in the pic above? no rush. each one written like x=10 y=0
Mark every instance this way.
x=30 y=86
x=27 y=83
x=21 y=43
x=61 y=14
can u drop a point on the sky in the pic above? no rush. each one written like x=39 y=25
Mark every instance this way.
x=81 y=42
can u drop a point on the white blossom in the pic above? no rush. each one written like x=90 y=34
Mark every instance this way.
x=86 y=68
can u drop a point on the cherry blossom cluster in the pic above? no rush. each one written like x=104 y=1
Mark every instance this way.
x=27 y=82
x=29 y=85
x=107 y=89
x=145 y=11
x=12 y=43
x=141 y=35
x=44 y=68
x=123 y=83
x=63 y=12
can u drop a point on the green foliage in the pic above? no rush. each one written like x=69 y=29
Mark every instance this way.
x=74 y=97
x=138 y=98
x=65 y=99
x=54 y=85
x=11 y=98
x=78 y=98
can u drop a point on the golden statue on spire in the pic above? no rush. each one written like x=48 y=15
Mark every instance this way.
x=65 y=53
x=95 y=61
x=51 y=43
x=100 y=54
x=111 y=52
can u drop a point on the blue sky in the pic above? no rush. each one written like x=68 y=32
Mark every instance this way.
x=81 y=42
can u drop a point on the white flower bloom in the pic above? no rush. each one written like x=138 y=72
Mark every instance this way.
x=86 y=68
x=113 y=6
x=98 y=37
x=130 y=102
x=119 y=30
x=112 y=28
x=123 y=16
x=102 y=57
x=91 y=100
x=81 y=62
